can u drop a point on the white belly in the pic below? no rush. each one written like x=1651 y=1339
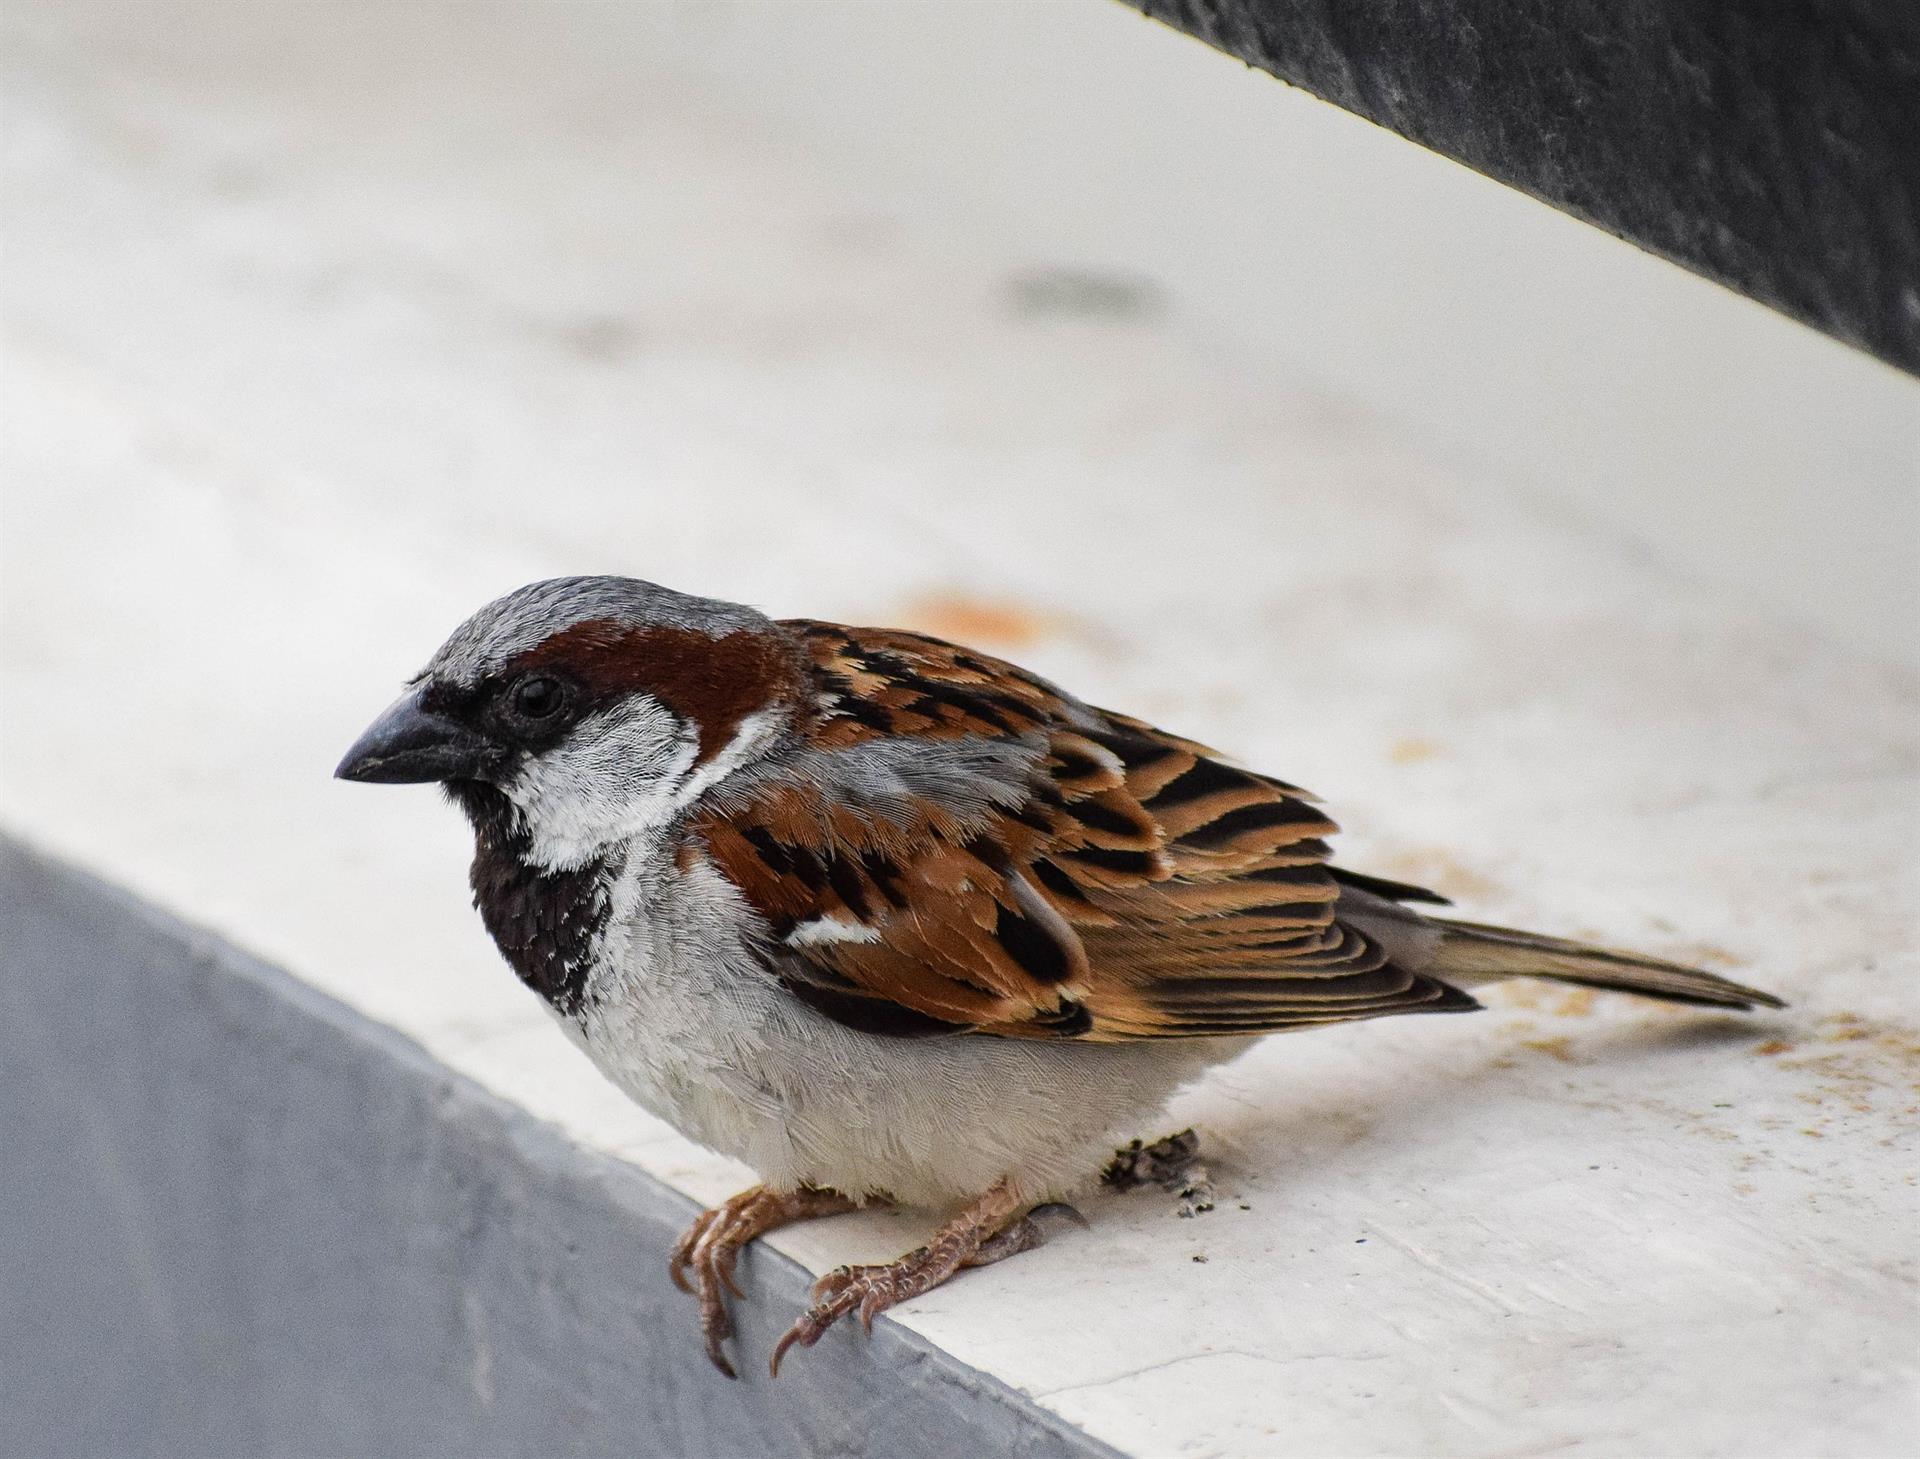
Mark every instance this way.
x=683 y=1019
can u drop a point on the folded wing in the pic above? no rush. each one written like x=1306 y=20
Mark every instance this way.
x=964 y=848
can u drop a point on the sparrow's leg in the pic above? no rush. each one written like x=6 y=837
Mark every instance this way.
x=714 y=1241
x=986 y=1231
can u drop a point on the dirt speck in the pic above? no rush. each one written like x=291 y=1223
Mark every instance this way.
x=1558 y=1048
x=1856 y=1066
x=603 y=339
x=1060 y=292
x=1436 y=868
x=967 y=619
x=1575 y=1003
x=1412 y=749
x=1711 y=954
x=1772 y=1047
x=1849 y=1028
x=1522 y=994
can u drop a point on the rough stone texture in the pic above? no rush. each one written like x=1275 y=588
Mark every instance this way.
x=241 y=1220
x=1773 y=145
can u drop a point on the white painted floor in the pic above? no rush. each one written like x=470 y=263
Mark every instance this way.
x=320 y=331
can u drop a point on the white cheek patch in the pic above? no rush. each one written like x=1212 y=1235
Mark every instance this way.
x=621 y=774
x=614 y=777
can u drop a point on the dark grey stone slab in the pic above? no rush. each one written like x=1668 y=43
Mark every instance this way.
x=1772 y=145
x=237 y=1218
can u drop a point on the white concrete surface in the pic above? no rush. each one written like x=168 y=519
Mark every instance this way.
x=1491 y=331
x=324 y=325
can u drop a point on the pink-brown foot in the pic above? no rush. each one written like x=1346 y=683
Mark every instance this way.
x=1023 y=1235
x=985 y=1232
x=713 y=1243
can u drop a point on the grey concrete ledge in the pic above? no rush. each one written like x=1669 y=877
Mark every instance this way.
x=242 y=1219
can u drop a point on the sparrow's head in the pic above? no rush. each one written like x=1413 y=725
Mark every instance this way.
x=588 y=709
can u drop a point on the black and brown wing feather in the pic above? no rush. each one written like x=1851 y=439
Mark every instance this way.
x=1131 y=885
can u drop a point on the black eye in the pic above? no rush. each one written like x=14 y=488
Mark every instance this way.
x=537 y=697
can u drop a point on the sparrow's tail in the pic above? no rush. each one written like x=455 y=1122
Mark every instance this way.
x=1472 y=952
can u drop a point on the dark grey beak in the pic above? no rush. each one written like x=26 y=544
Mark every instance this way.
x=410 y=744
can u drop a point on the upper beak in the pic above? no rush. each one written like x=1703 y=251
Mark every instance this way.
x=409 y=744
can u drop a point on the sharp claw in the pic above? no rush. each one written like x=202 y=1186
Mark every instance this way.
x=1061 y=1210
x=787 y=1340
x=716 y=1326
x=841 y=1291
x=716 y=1334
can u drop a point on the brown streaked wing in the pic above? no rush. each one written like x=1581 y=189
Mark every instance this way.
x=1142 y=889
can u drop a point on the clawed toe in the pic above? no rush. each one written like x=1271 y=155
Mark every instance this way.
x=715 y=1333
x=682 y=1257
x=702 y=1265
x=715 y=1249
x=704 y=1260
x=839 y=1292
x=982 y=1234
x=871 y=1290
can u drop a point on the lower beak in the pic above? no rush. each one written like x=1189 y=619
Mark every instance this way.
x=410 y=744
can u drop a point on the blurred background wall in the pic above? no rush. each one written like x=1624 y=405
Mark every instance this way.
x=1105 y=167
x=1484 y=326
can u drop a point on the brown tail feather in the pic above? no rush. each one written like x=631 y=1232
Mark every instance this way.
x=1471 y=952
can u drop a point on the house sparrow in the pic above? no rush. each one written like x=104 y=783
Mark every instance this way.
x=890 y=920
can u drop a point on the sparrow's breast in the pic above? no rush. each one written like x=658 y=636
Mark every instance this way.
x=680 y=1012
